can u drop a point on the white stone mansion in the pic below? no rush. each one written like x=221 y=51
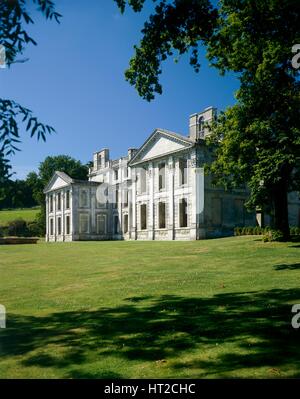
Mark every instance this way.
x=156 y=192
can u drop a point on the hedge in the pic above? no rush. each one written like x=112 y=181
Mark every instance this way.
x=267 y=233
x=21 y=228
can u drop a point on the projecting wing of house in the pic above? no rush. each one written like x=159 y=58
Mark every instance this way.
x=58 y=180
x=161 y=143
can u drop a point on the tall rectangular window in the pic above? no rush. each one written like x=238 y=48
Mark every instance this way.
x=116 y=198
x=68 y=225
x=143 y=216
x=125 y=193
x=143 y=180
x=51 y=203
x=68 y=199
x=51 y=227
x=83 y=198
x=125 y=223
x=59 y=225
x=125 y=172
x=183 y=220
x=84 y=223
x=162 y=215
x=162 y=176
x=59 y=201
x=116 y=224
x=116 y=174
x=101 y=224
x=102 y=198
x=182 y=171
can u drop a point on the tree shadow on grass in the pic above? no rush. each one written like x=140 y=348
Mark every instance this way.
x=294 y=266
x=163 y=329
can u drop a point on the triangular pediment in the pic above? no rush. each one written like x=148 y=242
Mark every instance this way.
x=161 y=143
x=58 y=180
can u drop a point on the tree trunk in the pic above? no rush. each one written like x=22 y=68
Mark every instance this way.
x=281 y=215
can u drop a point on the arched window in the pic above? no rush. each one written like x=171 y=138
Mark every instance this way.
x=201 y=126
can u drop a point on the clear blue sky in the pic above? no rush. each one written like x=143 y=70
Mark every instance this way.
x=74 y=81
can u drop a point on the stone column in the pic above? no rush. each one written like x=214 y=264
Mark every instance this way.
x=129 y=211
x=71 y=211
x=170 y=220
x=151 y=222
x=54 y=215
x=62 y=205
x=47 y=217
x=133 y=197
x=197 y=201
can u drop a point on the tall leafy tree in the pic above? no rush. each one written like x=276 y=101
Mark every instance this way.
x=36 y=185
x=63 y=163
x=257 y=140
x=5 y=174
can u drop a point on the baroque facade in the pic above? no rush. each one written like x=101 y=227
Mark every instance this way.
x=156 y=192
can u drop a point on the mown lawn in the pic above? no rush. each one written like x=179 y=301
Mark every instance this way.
x=27 y=214
x=213 y=308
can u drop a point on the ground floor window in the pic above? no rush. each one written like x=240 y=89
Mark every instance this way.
x=116 y=224
x=143 y=216
x=162 y=214
x=125 y=223
x=68 y=225
x=183 y=220
x=101 y=224
x=84 y=223
x=59 y=225
x=51 y=227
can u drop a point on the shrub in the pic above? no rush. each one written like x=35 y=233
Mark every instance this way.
x=21 y=228
x=272 y=235
x=251 y=230
x=238 y=231
x=295 y=231
x=34 y=229
x=17 y=228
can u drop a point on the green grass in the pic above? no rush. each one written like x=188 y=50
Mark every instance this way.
x=213 y=308
x=27 y=214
